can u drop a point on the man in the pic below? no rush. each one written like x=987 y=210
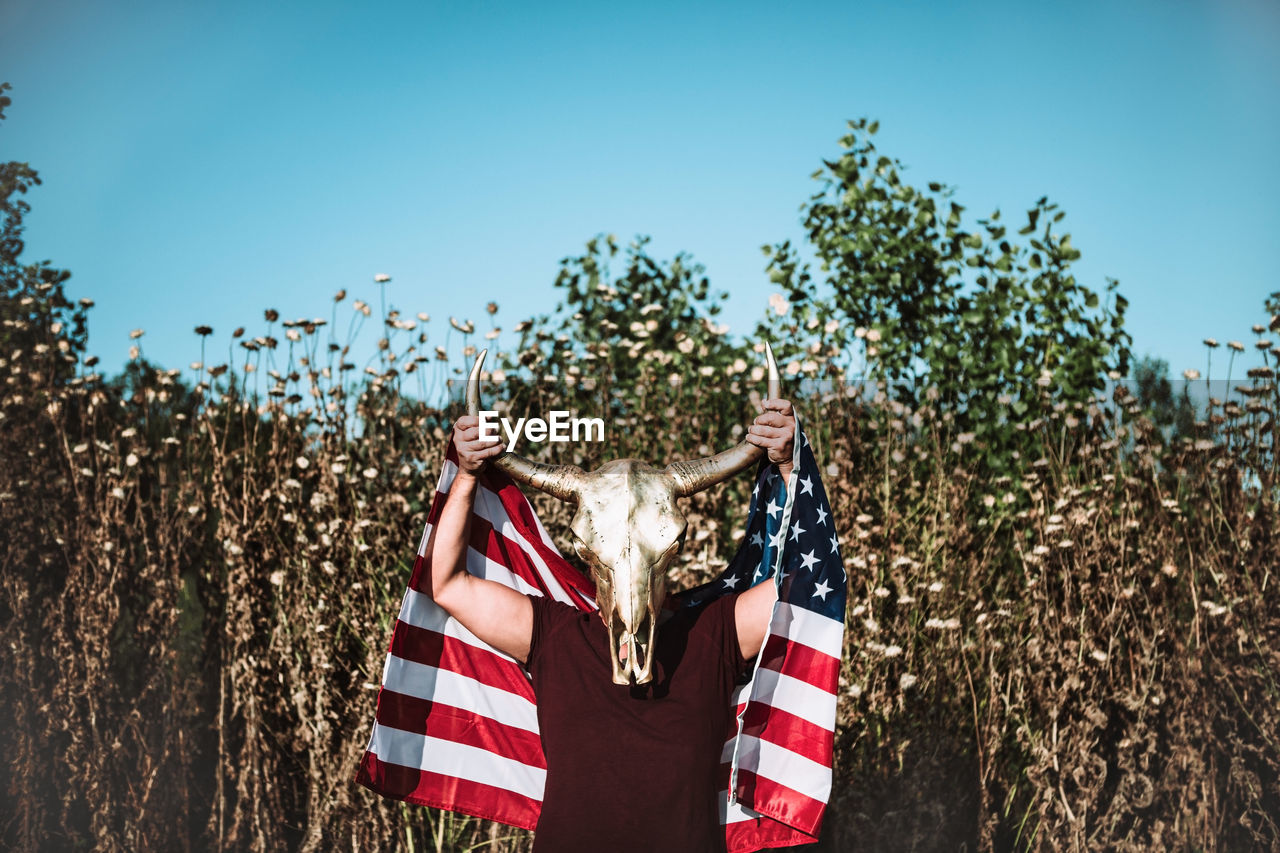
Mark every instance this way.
x=629 y=767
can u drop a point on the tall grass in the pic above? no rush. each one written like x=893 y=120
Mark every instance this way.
x=199 y=584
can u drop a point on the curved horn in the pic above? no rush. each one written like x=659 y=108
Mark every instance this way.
x=698 y=474
x=561 y=481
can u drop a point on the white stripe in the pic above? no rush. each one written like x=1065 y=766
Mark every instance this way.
x=783 y=766
x=408 y=749
x=420 y=611
x=735 y=813
x=459 y=691
x=805 y=626
x=795 y=697
x=447 y=474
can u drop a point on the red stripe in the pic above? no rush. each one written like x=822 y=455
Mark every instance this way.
x=781 y=803
x=420 y=577
x=424 y=717
x=447 y=792
x=790 y=732
x=800 y=661
x=432 y=648
x=747 y=836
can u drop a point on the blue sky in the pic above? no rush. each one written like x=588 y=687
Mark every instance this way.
x=202 y=162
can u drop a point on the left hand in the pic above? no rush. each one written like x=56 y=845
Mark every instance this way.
x=774 y=429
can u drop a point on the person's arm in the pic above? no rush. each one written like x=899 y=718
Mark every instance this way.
x=497 y=614
x=774 y=430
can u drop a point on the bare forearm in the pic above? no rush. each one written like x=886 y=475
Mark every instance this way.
x=449 y=538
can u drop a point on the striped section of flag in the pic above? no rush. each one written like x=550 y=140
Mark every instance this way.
x=776 y=763
x=456 y=725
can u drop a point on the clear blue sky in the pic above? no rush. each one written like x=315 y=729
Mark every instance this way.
x=202 y=161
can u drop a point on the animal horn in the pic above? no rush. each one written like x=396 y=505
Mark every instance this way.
x=561 y=481
x=697 y=474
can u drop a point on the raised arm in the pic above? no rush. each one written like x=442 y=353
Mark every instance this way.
x=774 y=430
x=497 y=614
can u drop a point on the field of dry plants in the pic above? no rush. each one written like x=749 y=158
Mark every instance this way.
x=1058 y=635
x=198 y=586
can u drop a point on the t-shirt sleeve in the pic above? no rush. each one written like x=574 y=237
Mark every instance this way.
x=548 y=614
x=727 y=624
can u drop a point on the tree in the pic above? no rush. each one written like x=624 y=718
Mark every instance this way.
x=993 y=321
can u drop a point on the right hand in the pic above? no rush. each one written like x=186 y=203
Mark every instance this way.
x=473 y=451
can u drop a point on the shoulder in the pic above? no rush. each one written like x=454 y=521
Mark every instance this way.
x=549 y=618
x=546 y=607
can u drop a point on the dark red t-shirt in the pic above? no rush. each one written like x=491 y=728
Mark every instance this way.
x=633 y=767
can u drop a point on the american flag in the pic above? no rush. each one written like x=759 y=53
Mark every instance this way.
x=456 y=725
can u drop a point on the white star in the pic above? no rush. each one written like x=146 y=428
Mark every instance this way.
x=731 y=582
x=822 y=589
x=834 y=543
x=757 y=539
x=806 y=486
x=775 y=541
x=822 y=515
x=796 y=530
x=808 y=561
x=774 y=509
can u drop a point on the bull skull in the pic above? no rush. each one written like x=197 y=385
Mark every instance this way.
x=627 y=527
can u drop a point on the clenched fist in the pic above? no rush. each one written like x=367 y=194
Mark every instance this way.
x=774 y=429
x=473 y=451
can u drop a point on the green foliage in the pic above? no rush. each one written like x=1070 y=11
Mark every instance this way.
x=653 y=317
x=984 y=316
